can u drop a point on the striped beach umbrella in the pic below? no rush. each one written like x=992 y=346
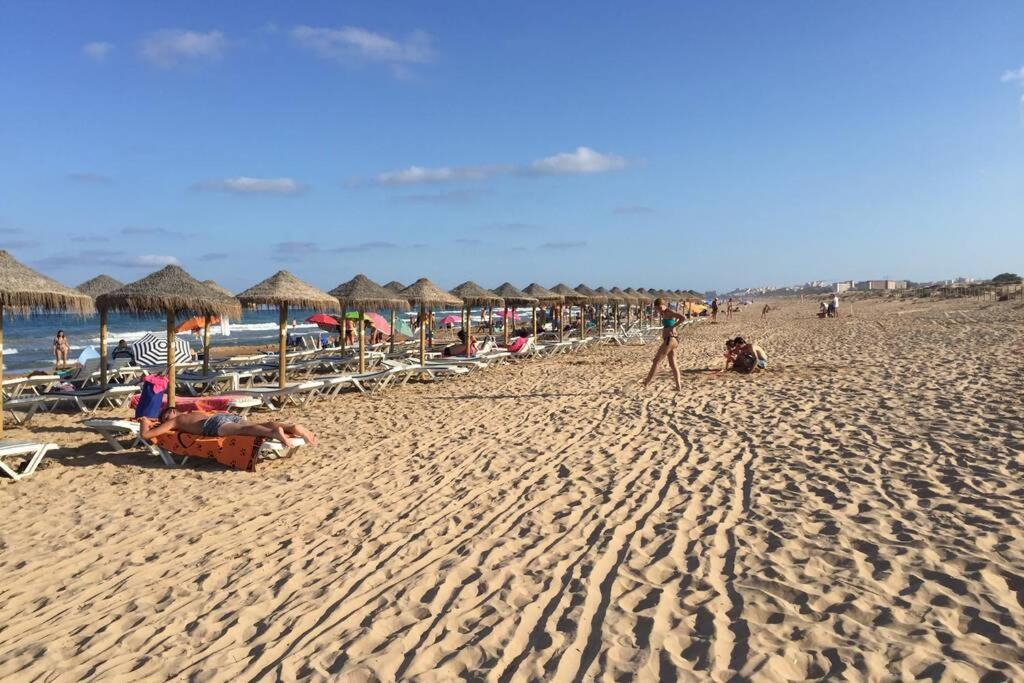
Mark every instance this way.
x=152 y=350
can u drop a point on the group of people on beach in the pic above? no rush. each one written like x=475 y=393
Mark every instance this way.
x=829 y=308
x=740 y=355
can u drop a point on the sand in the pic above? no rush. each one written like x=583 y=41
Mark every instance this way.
x=853 y=513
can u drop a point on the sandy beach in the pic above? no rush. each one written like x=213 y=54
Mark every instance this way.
x=853 y=513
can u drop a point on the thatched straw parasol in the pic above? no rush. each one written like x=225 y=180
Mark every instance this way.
x=101 y=284
x=617 y=298
x=545 y=296
x=473 y=294
x=361 y=293
x=206 y=324
x=515 y=297
x=395 y=287
x=592 y=297
x=571 y=296
x=216 y=287
x=170 y=291
x=281 y=290
x=23 y=290
x=426 y=296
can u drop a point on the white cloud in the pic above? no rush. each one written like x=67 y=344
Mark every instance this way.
x=583 y=161
x=1013 y=76
x=247 y=185
x=418 y=175
x=169 y=47
x=97 y=50
x=145 y=261
x=354 y=45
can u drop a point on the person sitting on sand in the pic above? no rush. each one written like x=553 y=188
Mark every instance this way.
x=459 y=349
x=222 y=424
x=749 y=357
x=822 y=310
x=730 y=353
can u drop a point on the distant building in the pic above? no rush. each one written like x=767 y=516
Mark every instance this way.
x=872 y=285
x=844 y=286
x=710 y=294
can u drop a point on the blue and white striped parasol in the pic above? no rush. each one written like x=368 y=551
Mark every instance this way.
x=152 y=350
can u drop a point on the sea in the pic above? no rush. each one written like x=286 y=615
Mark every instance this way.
x=28 y=341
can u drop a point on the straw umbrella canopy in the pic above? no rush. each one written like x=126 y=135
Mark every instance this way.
x=571 y=296
x=617 y=297
x=170 y=291
x=544 y=296
x=101 y=284
x=206 y=324
x=513 y=298
x=361 y=293
x=473 y=294
x=591 y=296
x=214 y=286
x=23 y=290
x=425 y=295
x=395 y=287
x=281 y=290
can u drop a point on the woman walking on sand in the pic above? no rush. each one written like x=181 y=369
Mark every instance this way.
x=669 y=342
x=60 y=350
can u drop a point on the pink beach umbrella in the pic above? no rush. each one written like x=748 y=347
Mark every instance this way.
x=507 y=313
x=451 y=319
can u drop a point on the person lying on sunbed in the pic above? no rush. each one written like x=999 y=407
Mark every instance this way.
x=459 y=349
x=222 y=424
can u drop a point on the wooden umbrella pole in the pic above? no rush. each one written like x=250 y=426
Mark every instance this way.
x=561 y=320
x=171 y=353
x=423 y=336
x=282 y=344
x=583 y=321
x=362 y=343
x=394 y=322
x=534 y=322
x=600 y=321
x=343 y=326
x=206 y=344
x=504 y=325
x=467 y=333
x=103 y=348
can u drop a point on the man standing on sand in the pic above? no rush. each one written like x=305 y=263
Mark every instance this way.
x=714 y=310
x=835 y=305
x=764 y=312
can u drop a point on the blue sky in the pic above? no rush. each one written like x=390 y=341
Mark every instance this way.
x=704 y=145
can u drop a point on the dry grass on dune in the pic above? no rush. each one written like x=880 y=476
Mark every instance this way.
x=853 y=513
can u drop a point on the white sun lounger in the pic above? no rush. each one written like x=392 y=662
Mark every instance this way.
x=367 y=382
x=274 y=398
x=110 y=430
x=114 y=396
x=198 y=383
x=31 y=451
x=433 y=371
x=34 y=385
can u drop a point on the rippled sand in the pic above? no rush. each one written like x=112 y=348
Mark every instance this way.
x=856 y=512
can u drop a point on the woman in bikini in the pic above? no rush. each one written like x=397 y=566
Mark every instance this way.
x=669 y=342
x=60 y=350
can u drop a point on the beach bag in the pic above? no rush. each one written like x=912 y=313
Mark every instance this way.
x=151 y=400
